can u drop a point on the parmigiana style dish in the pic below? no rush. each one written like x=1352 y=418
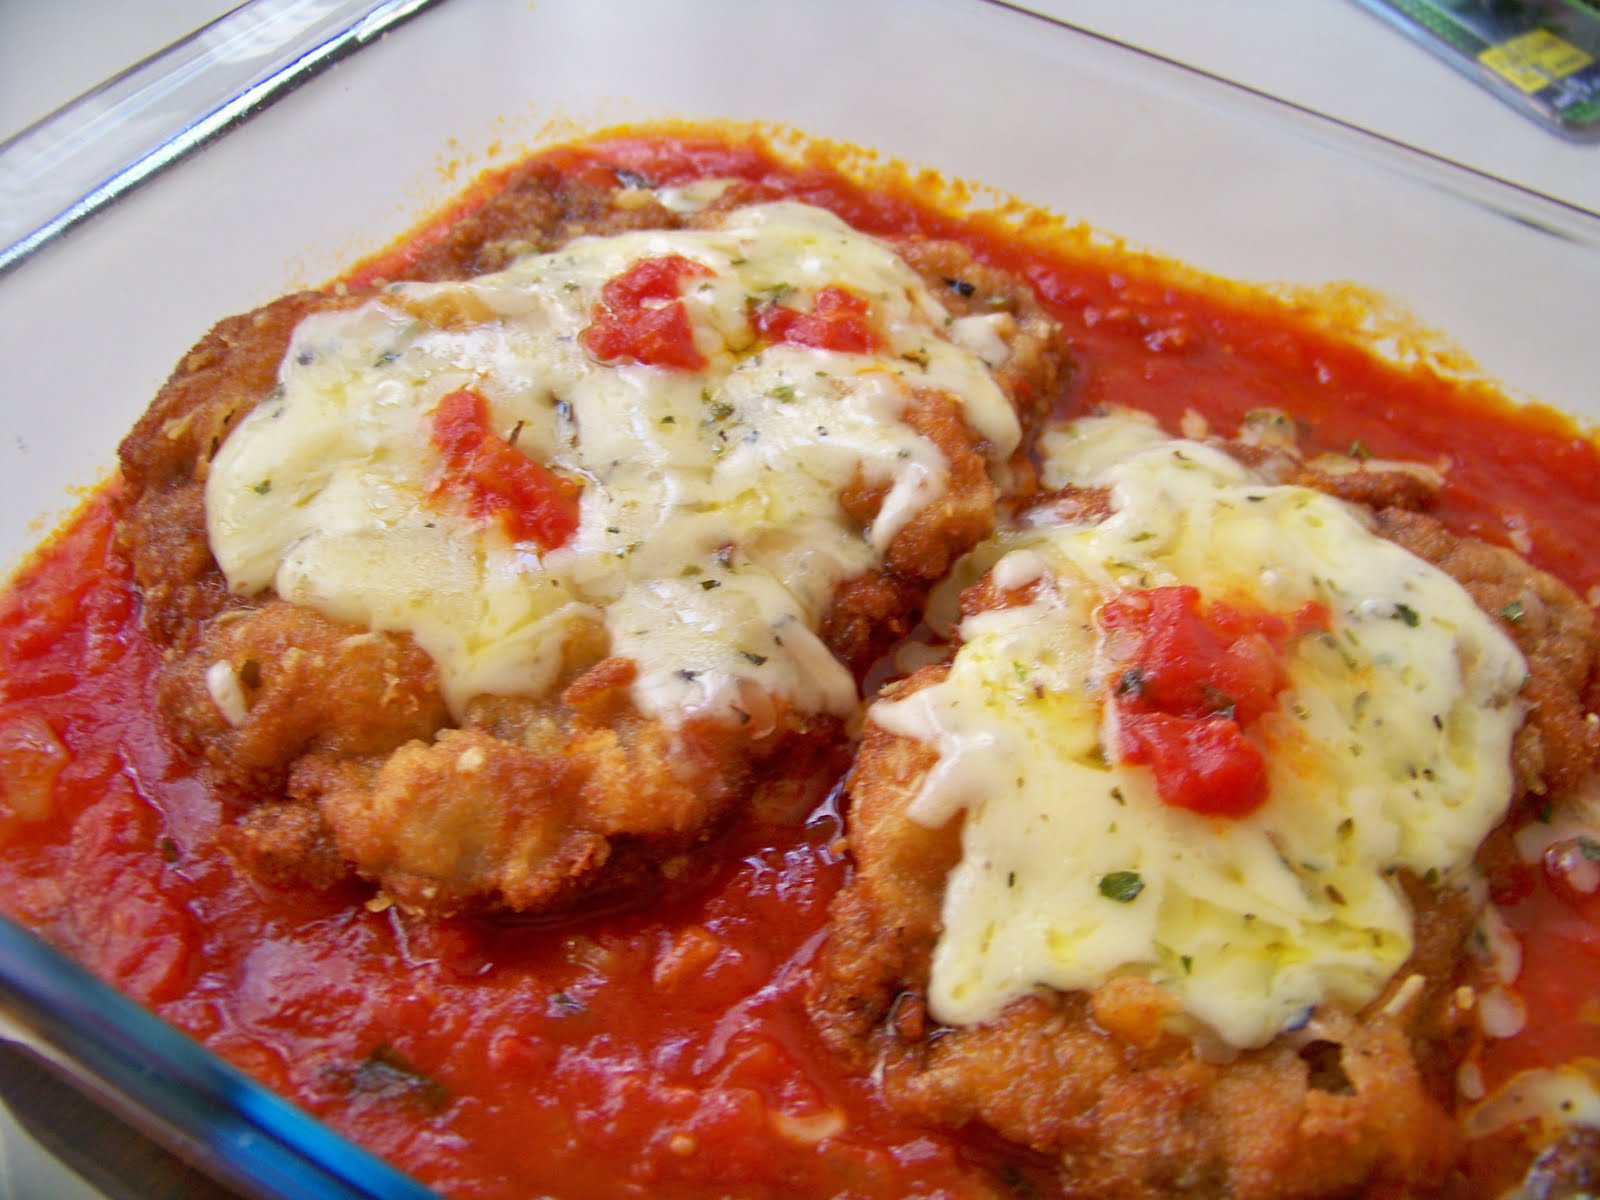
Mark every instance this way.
x=702 y=673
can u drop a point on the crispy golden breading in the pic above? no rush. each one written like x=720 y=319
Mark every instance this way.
x=281 y=657
x=163 y=461
x=341 y=757
x=1352 y=1104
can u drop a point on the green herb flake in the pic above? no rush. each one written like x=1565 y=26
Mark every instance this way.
x=386 y=1074
x=1121 y=886
x=1131 y=683
x=1513 y=611
x=1188 y=963
x=1359 y=450
x=1018 y=1184
x=1589 y=847
x=1407 y=614
x=564 y=1005
x=753 y=658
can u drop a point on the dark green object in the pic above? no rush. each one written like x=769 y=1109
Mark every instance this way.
x=1540 y=56
x=1121 y=886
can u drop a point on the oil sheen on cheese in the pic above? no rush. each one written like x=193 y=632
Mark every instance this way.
x=1389 y=749
x=711 y=538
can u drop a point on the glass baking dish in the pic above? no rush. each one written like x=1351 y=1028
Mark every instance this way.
x=339 y=156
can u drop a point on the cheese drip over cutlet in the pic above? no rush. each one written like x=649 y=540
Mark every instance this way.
x=710 y=537
x=1388 y=749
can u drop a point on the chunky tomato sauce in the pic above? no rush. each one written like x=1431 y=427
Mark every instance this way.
x=500 y=482
x=838 y=320
x=661 y=1049
x=1193 y=683
x=641 y=317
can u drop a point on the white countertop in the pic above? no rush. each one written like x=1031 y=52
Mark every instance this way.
x=1329 y=56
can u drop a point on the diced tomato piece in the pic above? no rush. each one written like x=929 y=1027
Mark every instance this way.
x=496 y=479
x=1192 y=683
x=1189 y=663
x=1204 y=764
x=839 y=320
x=641 y=317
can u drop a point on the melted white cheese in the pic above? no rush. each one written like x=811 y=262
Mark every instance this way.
x=711 y=539
x=1557 y=1098
x=1390 y=748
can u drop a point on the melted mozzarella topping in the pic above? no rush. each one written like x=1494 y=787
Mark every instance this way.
x=710 y=540
x=1557 y=1098
x=1390 y=748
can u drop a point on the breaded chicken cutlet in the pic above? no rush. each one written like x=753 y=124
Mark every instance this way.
x=1168 y=872
x=508 y=583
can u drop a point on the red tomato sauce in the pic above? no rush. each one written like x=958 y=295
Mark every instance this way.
x=641 y=318
x=1193 y=682
x=838 y=320
x=496 y=479
x=662 y=1049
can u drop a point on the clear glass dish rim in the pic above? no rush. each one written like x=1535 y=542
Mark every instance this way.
x=106 y=1042
x=117 y=167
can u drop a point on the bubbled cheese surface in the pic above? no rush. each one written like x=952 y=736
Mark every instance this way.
x=1388 y=749
x=710 y=539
